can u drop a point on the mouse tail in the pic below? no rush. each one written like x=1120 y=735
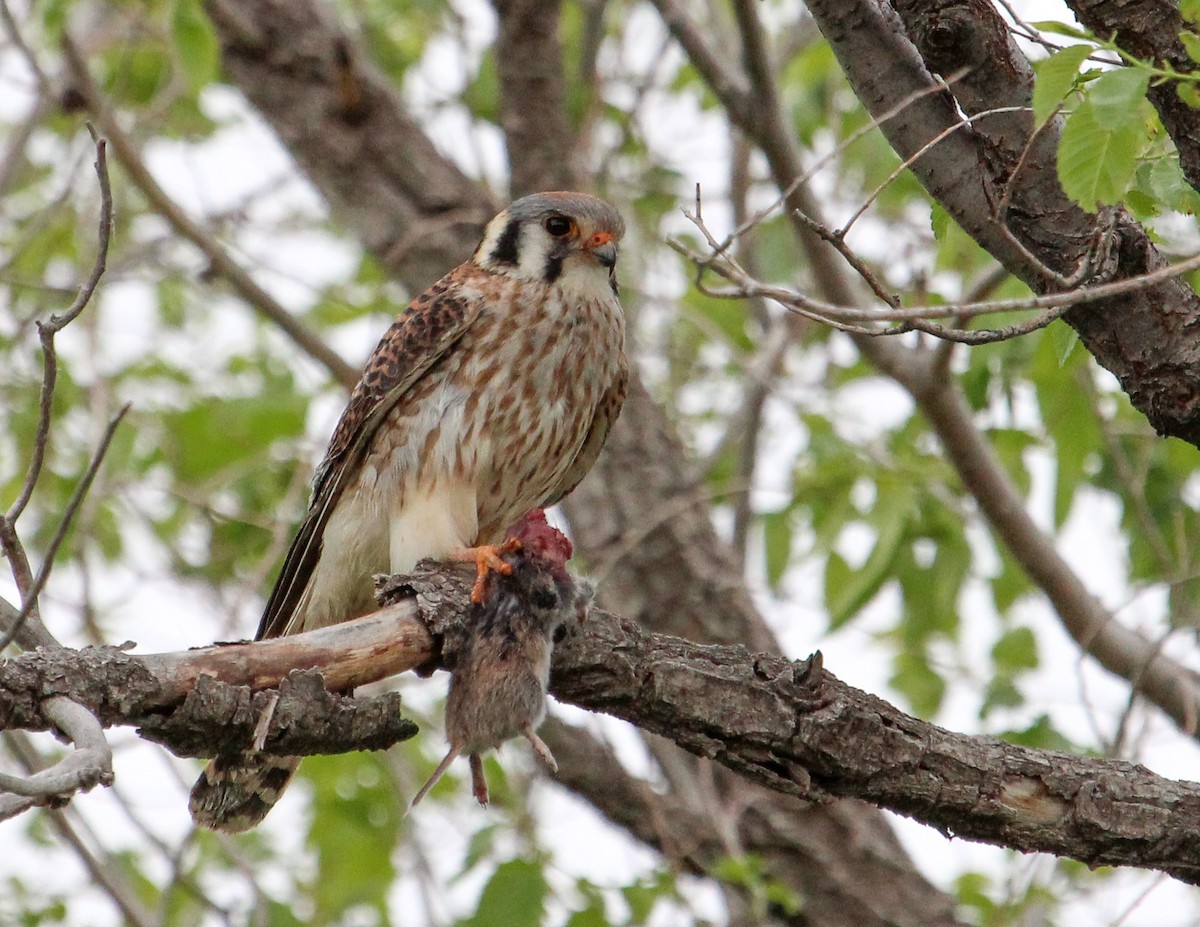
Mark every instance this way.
x=454 y=754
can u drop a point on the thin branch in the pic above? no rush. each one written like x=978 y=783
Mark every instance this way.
x=984 y=335
x=88 y=765
x=10 y=543
x=17 y=142
x=77 y=835
x=18 y=40
x=803 y=178
x=220 y=259
x=728 y=84
x=1171 y=686
x=47 y=331
x=961 y=123
x=843 y=316
x=30 y=596
x=838 y=241
x=31 y=633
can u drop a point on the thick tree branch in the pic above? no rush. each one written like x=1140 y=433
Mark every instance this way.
x=348 y=129
x=1146 y=338
x=790 y=727
x=533 y=111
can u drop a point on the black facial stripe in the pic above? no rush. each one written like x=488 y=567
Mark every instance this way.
x=554 y=259
x=505 y=251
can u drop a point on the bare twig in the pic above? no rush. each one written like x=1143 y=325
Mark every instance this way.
x=17 y=141
x=10 y=543
x=76 y=834
x=984 y=335
x=838 y=241
x=31 y=633
x=47 y=331
x=88 y=765
x=30 y=596
x=18 y=40
x=912 y=159
x=844 y=316
x=817 y=166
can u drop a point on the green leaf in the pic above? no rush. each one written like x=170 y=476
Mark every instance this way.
x=1001 y=692
x=195 y=43
x=1189 y=10
x=1057 y=28
x=514 y=896
x=1041 y=735
x=1065 y=340
x=215 y=434
x=1118 y=96
x=482 y=95
x=1191 y=44
x=1189 y=93
x=1166 y=182
x=1055 y=76
x=939 y=221
x=356 y=818
x=1096 y=160
x=848 y=591
x=1016 y=650
x=914 y=679
x=777 y=538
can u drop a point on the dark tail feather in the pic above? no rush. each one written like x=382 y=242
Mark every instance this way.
x=234 y=793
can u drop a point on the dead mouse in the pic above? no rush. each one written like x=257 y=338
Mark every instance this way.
x=498 y=687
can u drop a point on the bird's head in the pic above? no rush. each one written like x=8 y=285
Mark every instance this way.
x=550 y=237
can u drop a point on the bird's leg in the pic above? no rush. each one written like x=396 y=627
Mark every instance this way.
x=478 y=781
x=488 y=558
x=540 y=748
x=454 y=753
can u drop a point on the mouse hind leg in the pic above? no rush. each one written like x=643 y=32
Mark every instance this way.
x=540 y=748
x=478 y=780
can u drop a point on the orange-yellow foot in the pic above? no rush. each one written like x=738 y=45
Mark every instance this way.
x=488 y=558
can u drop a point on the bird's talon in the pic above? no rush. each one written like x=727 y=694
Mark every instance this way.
x=489 y=559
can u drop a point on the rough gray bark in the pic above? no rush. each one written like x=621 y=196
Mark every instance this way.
x=1148 y=339
x=533 y=111
x=791 y=727
x=348 y=130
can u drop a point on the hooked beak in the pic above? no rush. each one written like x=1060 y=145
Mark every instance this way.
x=604 y=249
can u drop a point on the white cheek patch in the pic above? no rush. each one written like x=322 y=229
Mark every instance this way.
x=533 y=250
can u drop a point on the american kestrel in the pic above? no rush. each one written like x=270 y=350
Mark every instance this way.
x=490 y=395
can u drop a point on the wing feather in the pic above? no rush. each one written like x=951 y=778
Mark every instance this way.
x=422 y=335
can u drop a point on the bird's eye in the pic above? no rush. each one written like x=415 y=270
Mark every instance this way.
x=558 y=226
